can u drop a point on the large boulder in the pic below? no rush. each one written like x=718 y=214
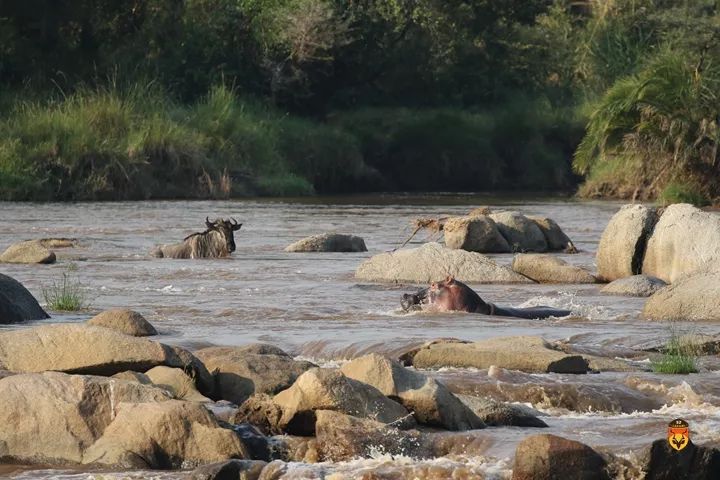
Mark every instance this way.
x=685 y=240
x=229 y=470
x=499 y=414
x=433 y=262
x=635 y=286
x=693 y=462
x=124 y=321
x=261 y=412
x=176 y=381
x=521 y=233
x=545 y=268
x=527 y=354
x=475 y=234
x=429 y=401
x=30 y=251
x=622 y=245
x=171 y=434
x=53 y=417
x=243 y=371
x=549 y=457
x=75 y=348
x=328 y=389
x=16 y=303
x=695 y=297
x=328 y=242
x=555 y=238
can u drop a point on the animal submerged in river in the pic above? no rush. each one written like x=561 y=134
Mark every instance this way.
x=216 y=241
x=453 y=295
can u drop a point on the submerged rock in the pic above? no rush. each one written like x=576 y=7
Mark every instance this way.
x=521 y=233
x=327 y=389
x=243 y=371
x=476 y=233
x=696 y=297
x=635 y=286
x=124 y=321
x=17 y=304
x=229 y=470
x=58 y=242
x=525 y=353
x=500 y=414
x=545 y=268
x=622 y=245
x=685 y=240
x=427 y=399
x=30 y=251
x=549 y=457
x=329 y=242
x=432 y=262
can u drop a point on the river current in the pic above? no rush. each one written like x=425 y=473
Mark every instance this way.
x=311 y=305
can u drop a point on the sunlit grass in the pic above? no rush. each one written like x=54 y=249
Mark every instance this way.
x=65 y=294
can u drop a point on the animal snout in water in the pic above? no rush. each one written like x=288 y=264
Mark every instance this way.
x=410 y=300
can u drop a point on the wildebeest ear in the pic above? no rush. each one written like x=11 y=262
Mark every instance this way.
x=236 y=227
x=450 y=279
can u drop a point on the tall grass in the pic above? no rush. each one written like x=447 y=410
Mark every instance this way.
x=679 y=356
x=65 y=294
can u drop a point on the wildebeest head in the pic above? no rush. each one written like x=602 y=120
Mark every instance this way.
x=226 y=229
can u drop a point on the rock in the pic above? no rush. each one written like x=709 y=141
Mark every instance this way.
x=177 y=382
x=622 y=245
x=124 y=321
x=474 y=234
x=555 y=238
x=16 y=303
x=229 y=470
x=432 y=262
x=692 y=462
x=258 y=445
x=130 y=376
x=342 y=437
x=480 y=211
x=635 y=286
x=328 y=242
x=549 y=457
x=240 y=373
x=58 y=242
x=428 y=400
x=406 y=358
x=30 y=251
x=545 y=268
x=521 y=233
x=696 y=297
x=75 y=348
x=499 y=414
x=171 y=434
x=685 y=240
x=260 y=411
x=328 y=389
x=53 y=417
x=525 y=353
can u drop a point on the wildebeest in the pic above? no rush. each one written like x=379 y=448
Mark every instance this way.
x=215 y=242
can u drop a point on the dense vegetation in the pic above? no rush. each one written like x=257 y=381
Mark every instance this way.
x=213 y=98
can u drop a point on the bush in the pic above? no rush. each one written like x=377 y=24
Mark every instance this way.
x=683 y=192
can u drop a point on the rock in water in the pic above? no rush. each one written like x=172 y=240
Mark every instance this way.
x=692 y=462
x=30 y=251
x=622 y=245
x=430 y=401
x=527 y=354
x=692 y=298
x=545 y=268
x=329 y=242
x=433 y=262
x=327 y=389
x=229 y=470
x=555 y=238
x=549 y=457
x=685 y=240
x=499 y=414
x=16 y=303
x=243 y=371
x=635 y=286
x=521 y=233
x=125 y=321
x=475 y=234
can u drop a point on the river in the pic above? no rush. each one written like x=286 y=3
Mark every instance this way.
x=311 y=305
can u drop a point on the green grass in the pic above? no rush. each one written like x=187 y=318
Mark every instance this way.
x=683 y=192
x=679 y=357
x=65 y=294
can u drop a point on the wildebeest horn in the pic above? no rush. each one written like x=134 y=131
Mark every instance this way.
x=235 y=225
x=234 y=222
x=207 y=222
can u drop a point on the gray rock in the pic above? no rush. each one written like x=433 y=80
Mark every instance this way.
x=521 y=233
x=545 y=268
x=622 y=245
x=16 y=303
x=433 y=262
x=499 y=414
x=635 y=286
x=329 y=242
x=549 y=457
x=554 y=236
x=475 y=234
x=229 y=470
x=691 y=298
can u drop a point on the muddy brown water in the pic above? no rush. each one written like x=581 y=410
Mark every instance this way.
x=312 y=306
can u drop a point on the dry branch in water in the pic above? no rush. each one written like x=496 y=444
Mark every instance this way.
x=434 y=225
